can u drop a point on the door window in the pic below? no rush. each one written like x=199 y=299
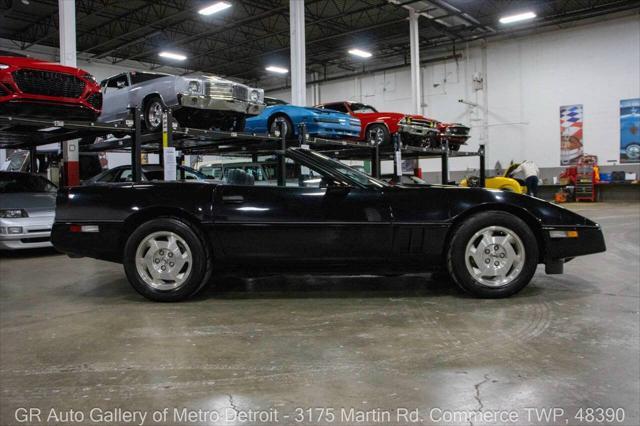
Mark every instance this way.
x=340 y=107
x=118 y=82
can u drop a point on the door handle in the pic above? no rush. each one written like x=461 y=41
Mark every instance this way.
x=232 y=199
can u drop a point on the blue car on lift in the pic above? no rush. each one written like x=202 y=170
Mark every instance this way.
x=319 y=122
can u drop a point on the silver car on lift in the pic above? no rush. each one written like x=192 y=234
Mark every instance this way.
x=27 y=210
x=199 y=101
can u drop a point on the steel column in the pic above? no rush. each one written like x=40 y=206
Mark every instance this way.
x=67 y=31
x=33 y=161
x=445 y=163
x=414 y=41
x=482 y=166
x=282 y=160
x=136 y=167
x=375 y=162
x=298 y=53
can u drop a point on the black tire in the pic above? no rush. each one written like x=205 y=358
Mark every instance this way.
x=201 y=262
x=149 y=104
x=456 y=254
x=378 y=134
x=282 y=119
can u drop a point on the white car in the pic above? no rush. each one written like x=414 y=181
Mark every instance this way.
x=27 y=210
x=200 y=101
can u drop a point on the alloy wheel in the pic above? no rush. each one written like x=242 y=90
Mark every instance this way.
x=164 y=260
x=155 y=114
x=495 y=256
x=633 y=152
x=376 y=136
x=280 y=124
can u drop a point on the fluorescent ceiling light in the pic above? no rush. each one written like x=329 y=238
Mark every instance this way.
x=360 y=53
x=214 y=8
x=516 y=18
x=171 y=55
x=278 y=70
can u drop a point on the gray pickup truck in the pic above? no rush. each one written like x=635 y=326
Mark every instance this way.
x=200 y=101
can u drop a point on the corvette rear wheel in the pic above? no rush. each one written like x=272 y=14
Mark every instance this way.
x=166 y=260
x=492 y=254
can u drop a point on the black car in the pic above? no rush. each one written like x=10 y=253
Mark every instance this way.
x=171 y=235
x=149 y=172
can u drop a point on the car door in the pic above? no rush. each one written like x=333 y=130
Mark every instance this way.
x=339 y=224
x=115 y=98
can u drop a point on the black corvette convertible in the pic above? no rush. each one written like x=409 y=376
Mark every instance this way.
x=170 y=236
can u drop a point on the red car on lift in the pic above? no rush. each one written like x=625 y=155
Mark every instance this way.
x=35 y=88
x=378 y=127
x=455 y=134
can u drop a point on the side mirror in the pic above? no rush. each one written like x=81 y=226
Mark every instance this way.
x=120 y=84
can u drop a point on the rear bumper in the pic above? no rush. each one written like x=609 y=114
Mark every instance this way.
x=332 y=130
x=107 y=244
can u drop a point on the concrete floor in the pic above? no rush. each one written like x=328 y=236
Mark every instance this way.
x=74 y=335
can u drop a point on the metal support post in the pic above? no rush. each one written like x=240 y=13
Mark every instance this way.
x=136 y=167
x=298 y=55
x=397 y=148
x=445 y=163
x=375 y=162
x=482 y=166
x=414 y=45
x=33 y=161
x=302 y=134
x=67 y=37
x=282 y=160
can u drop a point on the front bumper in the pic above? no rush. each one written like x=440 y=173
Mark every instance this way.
x=589 y=240
x=36 y=233
x=414 y=130
x=220 y=104
x=332 y=130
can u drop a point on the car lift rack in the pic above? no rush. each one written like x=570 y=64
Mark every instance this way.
x=28 y=133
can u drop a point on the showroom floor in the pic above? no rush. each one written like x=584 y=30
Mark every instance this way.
x=73 y=330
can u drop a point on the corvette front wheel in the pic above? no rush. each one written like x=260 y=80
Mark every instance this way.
x=492 y=254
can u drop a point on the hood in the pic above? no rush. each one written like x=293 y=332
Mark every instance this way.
x=35 y=203
x=37 y=64
x=382 y=115
x=544 y=212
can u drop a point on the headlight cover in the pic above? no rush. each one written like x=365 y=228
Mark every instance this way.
x=254 y=96
x=4 y=66
x=194 y=86
x=90 y=77
x=13 y=213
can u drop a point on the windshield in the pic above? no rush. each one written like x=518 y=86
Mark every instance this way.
x=12 y=183
x=362 y=108
x=351 y=173
x=274 y=101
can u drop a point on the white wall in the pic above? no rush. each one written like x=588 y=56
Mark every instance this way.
x=527 y=80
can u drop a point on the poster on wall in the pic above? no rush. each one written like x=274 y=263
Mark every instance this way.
x=630 y=130
x=571 y=148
